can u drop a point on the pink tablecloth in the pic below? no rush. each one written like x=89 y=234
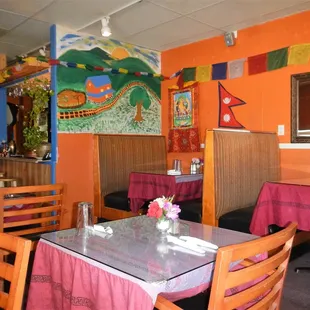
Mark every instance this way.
x=62 y=279
x=147 y=186
x=281 y=204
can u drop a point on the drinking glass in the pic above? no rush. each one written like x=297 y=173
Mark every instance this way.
x=177 y=165
x=85 y=221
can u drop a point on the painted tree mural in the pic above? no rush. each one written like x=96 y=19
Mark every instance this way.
x=139 y=98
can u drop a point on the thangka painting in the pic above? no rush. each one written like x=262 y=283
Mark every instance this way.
x=183 y=135
x=123 y=99
x=182 y=105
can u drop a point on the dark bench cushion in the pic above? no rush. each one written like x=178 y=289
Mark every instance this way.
x=238 y=220
x=191 y=210
x=117 y=200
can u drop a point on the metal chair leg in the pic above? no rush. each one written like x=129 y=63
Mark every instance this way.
x=302 y=269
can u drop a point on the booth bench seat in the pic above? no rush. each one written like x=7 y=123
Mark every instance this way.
x=238 y=220
x=118 y=200
x=115 y=157
x=237 y=164
x=191 y=210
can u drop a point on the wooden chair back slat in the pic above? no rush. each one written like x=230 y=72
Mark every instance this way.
x=33 y=221
x=32 y=211
x=6 y=271
x=239 y=299
x=42 y=213
x=3 y=300
x=37 y=230
x=269 y=274
x=266 y=244
x=32 y=189
x=260 y=269
x=31 y=200
x=17 y=276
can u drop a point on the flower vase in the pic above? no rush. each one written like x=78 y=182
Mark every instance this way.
x=163 y=225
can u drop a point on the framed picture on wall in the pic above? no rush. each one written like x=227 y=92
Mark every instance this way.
x=183 y=107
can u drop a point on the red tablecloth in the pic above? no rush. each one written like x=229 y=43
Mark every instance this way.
x=147 y=186
x=281 y=204
x=65 y=280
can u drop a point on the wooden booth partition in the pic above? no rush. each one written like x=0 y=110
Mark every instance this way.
x=26 y=171
x=115 y=157
x=237 y=163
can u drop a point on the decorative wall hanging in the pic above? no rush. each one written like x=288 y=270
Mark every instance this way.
x=226 y=102
x=183 y=120
x=273 y=60
x=292 y=55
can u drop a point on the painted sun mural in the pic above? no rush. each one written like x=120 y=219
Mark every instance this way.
x=103 y=102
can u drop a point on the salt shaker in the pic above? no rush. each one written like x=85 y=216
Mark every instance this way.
x=175 y=227
x=193 y=168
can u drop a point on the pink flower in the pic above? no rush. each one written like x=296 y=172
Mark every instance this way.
x=172 y=211
x=155 y=210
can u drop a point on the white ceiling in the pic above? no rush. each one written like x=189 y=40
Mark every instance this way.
x=155 y=24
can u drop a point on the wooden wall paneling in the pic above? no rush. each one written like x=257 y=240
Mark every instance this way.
x=26 y=172
x=208 y=196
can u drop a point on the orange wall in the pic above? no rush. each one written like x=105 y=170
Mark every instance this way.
x=75 y=169
x=267 y=95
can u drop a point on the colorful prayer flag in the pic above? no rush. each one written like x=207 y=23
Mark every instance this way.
x=299 y=54
x=189 y=74
x=226 y=102
x=203 y=73
x=219 y=71
x=236 y=68
x=257 y=64
x=277 y=59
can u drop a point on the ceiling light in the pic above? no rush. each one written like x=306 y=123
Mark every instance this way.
x=42 y=51
x=105 y=30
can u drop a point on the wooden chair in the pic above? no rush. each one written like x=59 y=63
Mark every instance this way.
x=278 y=246
x=44 y=204
x=16 y=274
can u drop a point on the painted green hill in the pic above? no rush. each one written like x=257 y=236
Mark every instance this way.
x=74 y=78
x=101 y=53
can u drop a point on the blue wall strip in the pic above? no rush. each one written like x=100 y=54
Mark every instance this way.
x=3 y=127
x=54 y=141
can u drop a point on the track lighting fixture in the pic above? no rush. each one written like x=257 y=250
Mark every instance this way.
x=105 y=30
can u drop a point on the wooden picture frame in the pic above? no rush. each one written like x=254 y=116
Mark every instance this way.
x=296 y=80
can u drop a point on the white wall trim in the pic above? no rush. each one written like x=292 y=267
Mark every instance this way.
x=294 y=146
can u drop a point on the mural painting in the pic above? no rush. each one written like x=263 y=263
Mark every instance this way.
x=105 y=102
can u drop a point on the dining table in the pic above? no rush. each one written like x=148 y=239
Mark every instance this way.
x=126 y=268
x=147 y=186
x=280 y=203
